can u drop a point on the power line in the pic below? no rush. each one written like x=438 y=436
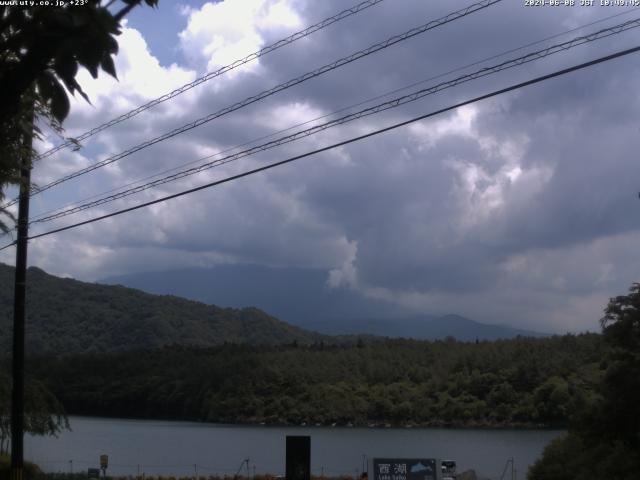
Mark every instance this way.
x=335 y=112
x=211 y=75
x=342 y=143
x=283 y=86
x=530 y=57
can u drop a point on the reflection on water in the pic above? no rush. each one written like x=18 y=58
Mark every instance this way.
x=182 y=448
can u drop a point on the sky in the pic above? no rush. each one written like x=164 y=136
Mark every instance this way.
x=521 y=209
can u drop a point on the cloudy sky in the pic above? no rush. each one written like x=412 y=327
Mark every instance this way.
x=522 y=209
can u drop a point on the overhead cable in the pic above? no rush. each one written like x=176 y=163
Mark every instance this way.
x=211 y=75
x=266 y=93
x=396 y=102
x=342 y=143
x=335 y=112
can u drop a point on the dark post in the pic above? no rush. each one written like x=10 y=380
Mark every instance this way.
x=298 y=458
x=19 y=296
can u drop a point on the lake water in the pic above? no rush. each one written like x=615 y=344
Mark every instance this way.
x=184 y=448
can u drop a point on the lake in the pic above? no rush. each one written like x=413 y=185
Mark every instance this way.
x=184 y=448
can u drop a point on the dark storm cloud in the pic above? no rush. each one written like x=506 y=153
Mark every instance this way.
x=523 y=200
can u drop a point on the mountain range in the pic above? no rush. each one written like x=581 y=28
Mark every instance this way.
x=69 y=316
x=301 y=297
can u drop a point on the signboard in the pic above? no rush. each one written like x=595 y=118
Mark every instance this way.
x=93 y=473
x=104 y=461
x=405 y=469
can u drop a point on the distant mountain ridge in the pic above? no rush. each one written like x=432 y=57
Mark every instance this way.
x=295 y=295
x=69 y=316
x=301 y=297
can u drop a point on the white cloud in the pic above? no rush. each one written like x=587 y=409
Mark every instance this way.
x=346 y=275
x=428 y=133
x=220 y=33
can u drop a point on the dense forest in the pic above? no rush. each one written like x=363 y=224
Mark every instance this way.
x=522 y=382
x=65 y=315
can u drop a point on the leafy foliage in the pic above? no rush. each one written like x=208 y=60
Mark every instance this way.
x=621 y=387
x=604 y=438
x=521 y=382
x=44 y=414
x=46 y=46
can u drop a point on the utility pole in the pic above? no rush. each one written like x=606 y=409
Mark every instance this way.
x=19 y=300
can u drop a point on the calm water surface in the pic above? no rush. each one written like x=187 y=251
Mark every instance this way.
x=182 y=448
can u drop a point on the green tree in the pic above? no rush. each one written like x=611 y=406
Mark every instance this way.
x=552 y=401
x=570 y=457
x=621 y=329
x=41 y=50
x=44 y=414
x=604 y=440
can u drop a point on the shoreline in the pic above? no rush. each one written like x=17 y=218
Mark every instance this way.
x=373 y=426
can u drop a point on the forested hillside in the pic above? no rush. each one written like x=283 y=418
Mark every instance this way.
x=401 y=382
x=68 y=316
